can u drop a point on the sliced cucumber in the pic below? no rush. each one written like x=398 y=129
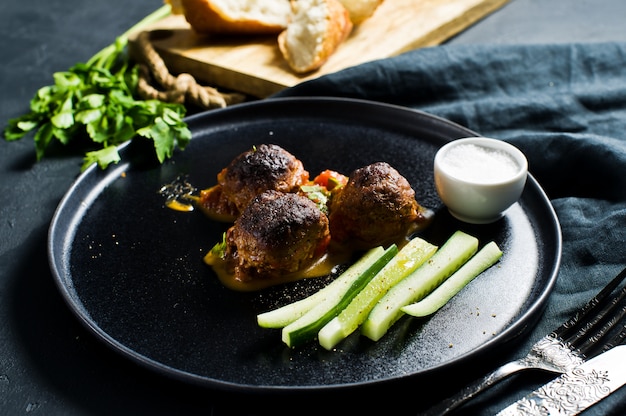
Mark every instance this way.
x=455 y=251
x=409 y=258
x=307 y=326
x=283 y=316
x=484 y=259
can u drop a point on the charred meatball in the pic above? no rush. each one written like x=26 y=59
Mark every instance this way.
x=265 y=167
x=216 y=205
x=278 y=233
x=376 y=206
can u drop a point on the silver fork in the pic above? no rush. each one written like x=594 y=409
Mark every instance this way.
x=590 y=331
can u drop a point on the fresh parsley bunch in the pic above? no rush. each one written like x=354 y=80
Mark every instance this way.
x=97 y=100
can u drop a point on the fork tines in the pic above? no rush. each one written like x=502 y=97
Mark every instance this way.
x=597 y=321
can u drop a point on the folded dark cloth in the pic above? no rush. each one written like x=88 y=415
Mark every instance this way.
x=564 y=105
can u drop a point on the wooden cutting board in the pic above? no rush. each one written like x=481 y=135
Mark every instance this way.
x=254 y=65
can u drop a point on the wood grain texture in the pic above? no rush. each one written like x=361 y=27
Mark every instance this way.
x=254 y=65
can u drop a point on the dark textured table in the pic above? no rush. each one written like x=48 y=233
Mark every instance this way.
x=49 y=364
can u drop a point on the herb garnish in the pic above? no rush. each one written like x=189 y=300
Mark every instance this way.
x=98 y=98
x=318 y=194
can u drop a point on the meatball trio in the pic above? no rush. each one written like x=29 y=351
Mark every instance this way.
x=279 y=230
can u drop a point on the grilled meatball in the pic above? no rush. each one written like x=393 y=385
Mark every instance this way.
x=216 y=205
x=377 y=206
x=278 y=233
x=260 y=169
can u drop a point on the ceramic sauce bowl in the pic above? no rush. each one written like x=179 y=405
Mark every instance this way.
x=479 y=178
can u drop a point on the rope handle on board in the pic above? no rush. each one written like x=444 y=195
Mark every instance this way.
x=181 y=89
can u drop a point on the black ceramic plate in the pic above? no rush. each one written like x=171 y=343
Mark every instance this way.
x=132 y=271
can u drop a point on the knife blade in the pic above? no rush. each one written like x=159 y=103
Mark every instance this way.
x=576 y=390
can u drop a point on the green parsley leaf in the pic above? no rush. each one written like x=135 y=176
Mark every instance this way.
x=97 y=98
x=103 y=157
x=219 y=249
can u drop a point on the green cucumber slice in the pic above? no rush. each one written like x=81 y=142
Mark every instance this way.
x=454 y=253
x=283 y=316
x=307 y=326
x=484 y=259
x=408 y=259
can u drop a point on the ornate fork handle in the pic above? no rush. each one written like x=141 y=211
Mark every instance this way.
x=477 y=387
x=579 y=338
x=548 y=354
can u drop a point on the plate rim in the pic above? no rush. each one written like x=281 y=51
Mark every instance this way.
x=522 y=324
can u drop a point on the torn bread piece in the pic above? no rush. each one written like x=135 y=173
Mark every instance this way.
x=237 y=16
x=316 y=30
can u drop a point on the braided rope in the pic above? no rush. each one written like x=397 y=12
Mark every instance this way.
x=182 y=89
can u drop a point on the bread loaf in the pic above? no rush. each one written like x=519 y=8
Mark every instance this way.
x=360 y=10
x=316 y=30
x=237 y=16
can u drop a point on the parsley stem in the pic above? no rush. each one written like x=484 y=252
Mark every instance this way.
x=106 y=57
x=155 y=16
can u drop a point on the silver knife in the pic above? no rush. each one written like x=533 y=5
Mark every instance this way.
x=576 y=390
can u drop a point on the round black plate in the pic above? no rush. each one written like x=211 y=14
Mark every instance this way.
x=132 y=271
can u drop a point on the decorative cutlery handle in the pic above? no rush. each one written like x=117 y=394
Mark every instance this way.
x=576 y=390
x=474 y=389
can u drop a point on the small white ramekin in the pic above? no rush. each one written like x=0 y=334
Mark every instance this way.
x=479 y=178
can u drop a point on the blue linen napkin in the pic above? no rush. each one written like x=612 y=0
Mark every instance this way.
x=564 y=106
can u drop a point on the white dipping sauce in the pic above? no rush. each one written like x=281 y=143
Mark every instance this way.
x=479 y=164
